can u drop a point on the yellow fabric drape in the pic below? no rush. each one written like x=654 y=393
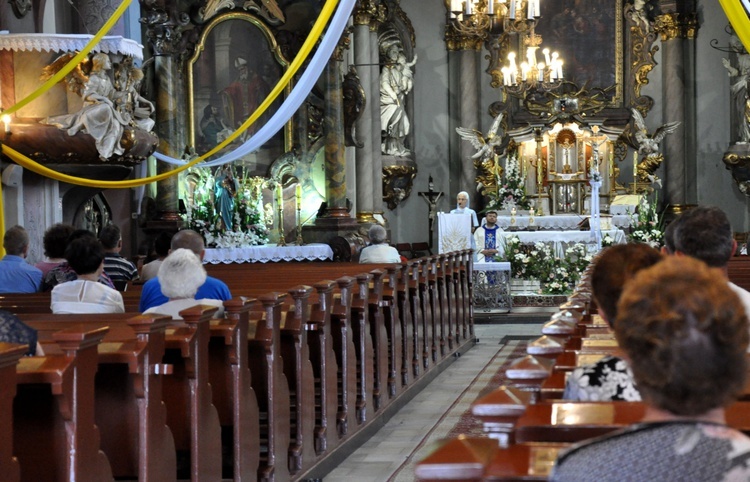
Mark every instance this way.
x=738 y=17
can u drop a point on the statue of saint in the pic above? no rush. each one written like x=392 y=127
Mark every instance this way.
x=225 y=190
x=740 y=97
x=98 y=117
x=396 y=80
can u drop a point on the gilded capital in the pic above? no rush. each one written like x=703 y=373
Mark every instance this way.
x=364 y=11
x=675 y=25
x=455 y=41
x=378 y=18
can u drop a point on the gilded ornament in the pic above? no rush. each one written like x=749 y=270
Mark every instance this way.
x=397 y=183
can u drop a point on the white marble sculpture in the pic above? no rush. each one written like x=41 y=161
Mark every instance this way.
x=396 y=81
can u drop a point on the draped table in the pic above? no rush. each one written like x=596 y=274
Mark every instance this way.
x=561 y=240
x=491 y=287
x=559 y=222
x=268 y=253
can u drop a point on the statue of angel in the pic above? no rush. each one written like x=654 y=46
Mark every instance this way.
x=485 y=145
x=648 y=145
x=740 y=98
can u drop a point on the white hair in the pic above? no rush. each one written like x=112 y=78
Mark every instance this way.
x=181 y=274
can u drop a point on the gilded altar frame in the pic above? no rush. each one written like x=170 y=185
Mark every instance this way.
x=213 y=69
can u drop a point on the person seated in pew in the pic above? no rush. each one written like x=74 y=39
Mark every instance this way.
x=610 y=378
x=180 y=276
x=705 y=233
x=379 y=251
x=119 y=269
x=684 y=332
x=54 y=241
x=161 y=247
x=64 y=272
x=16 y=275
x=86 y=294
x=13 y=330
x=212 y=288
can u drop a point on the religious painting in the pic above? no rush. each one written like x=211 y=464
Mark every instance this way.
x=588 y=35
x=236 y=65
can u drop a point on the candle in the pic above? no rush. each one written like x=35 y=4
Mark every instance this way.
x=469 y=4
x=279 y=196
x=6 y=120
x=635 y=171
x=298 y=194
x=491 y=7
x=540 y=70
x=546 y=56
x=512 y=14
x=455 y=6
x=524 y=71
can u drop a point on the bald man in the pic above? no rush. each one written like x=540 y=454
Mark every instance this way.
x=212 y=289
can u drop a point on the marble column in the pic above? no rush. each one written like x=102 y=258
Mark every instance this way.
x=364 y=132
x=335 y=156
x=170 y=117
x=677 y=30
x=468 y=116
x=374 y=108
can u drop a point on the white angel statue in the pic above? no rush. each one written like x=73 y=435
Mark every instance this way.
x=485 y=145
x=648 y=145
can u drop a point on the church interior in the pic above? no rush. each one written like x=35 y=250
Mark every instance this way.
x=296 y=126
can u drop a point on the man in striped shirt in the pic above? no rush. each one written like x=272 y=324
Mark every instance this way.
x=119 y=269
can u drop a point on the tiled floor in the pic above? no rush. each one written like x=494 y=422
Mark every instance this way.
x=396 y=443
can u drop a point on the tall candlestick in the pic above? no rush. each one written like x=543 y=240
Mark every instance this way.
x=298 y=194
x=279 y=195
x=635 y=171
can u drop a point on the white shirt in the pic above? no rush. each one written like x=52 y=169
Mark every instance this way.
x=744 y=297
x=173 y=308
x=379 y=253
x=83 y=296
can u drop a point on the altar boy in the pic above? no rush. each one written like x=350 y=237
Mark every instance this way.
x=488 y=238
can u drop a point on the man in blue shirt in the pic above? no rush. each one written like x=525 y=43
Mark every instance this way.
x=16 y=275
x=213 y=288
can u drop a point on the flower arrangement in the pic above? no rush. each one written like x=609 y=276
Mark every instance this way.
x=646 y=225
x=537 y=261
x=249 y=228
x=512 y=192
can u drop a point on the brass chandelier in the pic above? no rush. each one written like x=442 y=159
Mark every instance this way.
x=507 y=27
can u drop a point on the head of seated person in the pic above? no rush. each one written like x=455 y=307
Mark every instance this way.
x=615 y=266
x=377 y=234
x=85 y=256
x=188 y=239
x=180 y=276
x=705 y=233
x=685 y=334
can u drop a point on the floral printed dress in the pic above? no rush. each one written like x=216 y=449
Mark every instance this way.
x=608 y=379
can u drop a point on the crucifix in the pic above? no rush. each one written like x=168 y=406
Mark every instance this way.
x=431 y=197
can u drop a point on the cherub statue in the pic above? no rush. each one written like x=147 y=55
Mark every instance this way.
x=485 y=145
x=648 y=147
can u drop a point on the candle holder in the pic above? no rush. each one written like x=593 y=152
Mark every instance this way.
x=282 y=241
x=299 y=225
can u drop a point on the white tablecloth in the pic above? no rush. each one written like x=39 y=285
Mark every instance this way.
x=561 y=240
x=264 y=254
x=559 y=222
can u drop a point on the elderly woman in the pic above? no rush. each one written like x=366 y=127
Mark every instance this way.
x=685 y=334
x=379 y=251
x=180 y=275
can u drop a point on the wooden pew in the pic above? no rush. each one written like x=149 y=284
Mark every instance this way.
x=10 y=353
x=272 y=389
x=54 y=434
x=481 y=459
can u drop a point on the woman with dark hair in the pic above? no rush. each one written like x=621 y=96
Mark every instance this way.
x=684 y=333
x=55 y=240
x=86 y=294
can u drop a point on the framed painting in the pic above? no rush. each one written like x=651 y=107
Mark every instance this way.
x=236 y=64
x=588 y=35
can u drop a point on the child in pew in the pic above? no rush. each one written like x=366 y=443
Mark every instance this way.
x=180 y=276
x=610 y=378
x=685 y=334
x=86 y=294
